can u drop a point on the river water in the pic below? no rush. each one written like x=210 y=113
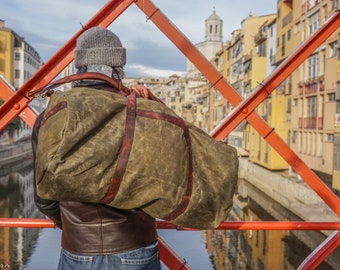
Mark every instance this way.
x=35 y=249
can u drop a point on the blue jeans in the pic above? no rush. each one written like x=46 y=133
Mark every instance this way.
x=145 y=258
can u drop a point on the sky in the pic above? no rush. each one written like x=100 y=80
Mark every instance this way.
x=48 y=24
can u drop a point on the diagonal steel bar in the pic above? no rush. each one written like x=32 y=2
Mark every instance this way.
x=19 y=100
x=166 y=225
x=293 y=160
x=213 y=76
x=321 y=252
x=268 y=133
x=6 y=91
x=247 y=106
x=170 y=258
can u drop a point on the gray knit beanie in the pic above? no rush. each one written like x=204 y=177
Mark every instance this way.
x=99 y=46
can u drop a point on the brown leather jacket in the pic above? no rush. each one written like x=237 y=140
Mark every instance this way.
x=96 y=229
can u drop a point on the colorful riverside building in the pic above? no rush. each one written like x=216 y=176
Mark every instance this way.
x=304 y=110
x=19 y=61
x=314 y=88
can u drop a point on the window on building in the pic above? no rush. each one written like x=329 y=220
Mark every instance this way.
x=247 y=67
x=314 y=22
x=297 y=27
x=17 y=42
x=311 y=106
x=334 y=4
x=331 y=97
x=237 y=50
x=311 y=120
x=324 y=13
x=313 y=66
x=262 y=49
x=300 y=142
x=322 y=62
x=320 y=149
x=289 y=105
x=289 y=34
x=271 y=55
x=294 y=138
x=17 y=56
x=283 y=48
x=295 y=102
x=333 y=48
x=17 y=74
x=330 y=137
x=337 y=162
x=271 y=31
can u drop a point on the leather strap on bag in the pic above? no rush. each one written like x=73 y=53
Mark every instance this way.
x=131 y=114
x=123 y=158
x=126 y=149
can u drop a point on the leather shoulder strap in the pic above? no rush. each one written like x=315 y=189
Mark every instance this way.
x=77 y=77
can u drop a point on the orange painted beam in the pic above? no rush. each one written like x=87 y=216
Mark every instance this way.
x=321 y=252
x=169 y=256
x=19 y=100
x=6 y=92
x=227 y=225
x=27 y=223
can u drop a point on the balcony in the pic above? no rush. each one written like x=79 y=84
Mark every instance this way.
x=286 y=20
x=309 y=5
x=311 y=122
x=260 y=37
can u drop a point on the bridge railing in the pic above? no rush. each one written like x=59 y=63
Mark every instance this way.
x=16 y=104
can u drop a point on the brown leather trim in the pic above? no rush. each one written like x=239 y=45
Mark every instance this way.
x=188 y=192
x=162 y=116
x=53 y=111
x=125 y=151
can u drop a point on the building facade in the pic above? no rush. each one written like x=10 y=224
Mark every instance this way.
x=314 y=88
x=19 y=61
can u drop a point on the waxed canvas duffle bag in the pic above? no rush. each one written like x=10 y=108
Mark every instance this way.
x=131 y=152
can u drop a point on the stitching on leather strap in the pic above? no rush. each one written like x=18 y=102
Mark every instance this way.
x=188 y=192
x=126 y=149
x=53 y=111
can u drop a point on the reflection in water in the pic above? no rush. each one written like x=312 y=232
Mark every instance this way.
x=227 y=249
x=16 y=200
x=263 y=249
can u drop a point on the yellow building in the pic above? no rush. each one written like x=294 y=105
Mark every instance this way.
x=19 y=61
x=247 y=69
x=7 y=41
x=275 y=109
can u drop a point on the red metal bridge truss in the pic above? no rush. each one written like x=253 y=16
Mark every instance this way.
x=16 y=104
